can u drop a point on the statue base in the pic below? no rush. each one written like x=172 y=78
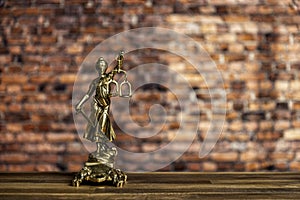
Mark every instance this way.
x=97 y=172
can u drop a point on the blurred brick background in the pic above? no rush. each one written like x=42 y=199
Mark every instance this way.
x=255 y=44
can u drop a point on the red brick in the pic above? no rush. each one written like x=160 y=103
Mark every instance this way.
x=60 y=137
x=236 y=48
x=269 y=145
x=150 y=147
x=15 y=69
x=225 y=157
x=21 y=168
x=295 y=85
x=193 y=167
x=30 y=68
x=246 y=37
x=7 y=138
x=75 y=147
x=268 y=135
x=3 y=108
x=249 y=156
x=295 y=165
x=232 y=116
x=238 y=137
x=29 y=88
x=251 y=126
x=254 y=106
x=239 y=167
x=45 y=158
x=12 y=89
x=225 y=166
x=282 y=125
x=45 y=68
x=148 y=97
x=14 y=127
x=29 y=127
x=17 y=41
x=61 y=126
x=48 y=49
x=46 y=168
x=254 y=166
x=282 y=156
x=74 y=49
x=43 y=127
x=296 y=123
x=31 y=49
x=67 y=78
x=43 y=148
x=236 y=18
x=2 y=88
x=266 y=125
x=236 y=126
x=3 y=167
x=48 y=2
x=252 y=77
x=273 y=94
x=38 y=117
x=41 y=79
x=292 y=134
x=74 y=167
x=282 y=115
x=33 y=59
x=282 y=166
x=252 y=85
x=14 y=158
x=15 y=50
x=28 y=137
x=268 y=105
x=15 y=108
x=46 y=30
x=48 y=40
x=4 y=59
x=11 y=147
x=266 y=85
x=75 y=158
x=14 y=79
x=130 y=148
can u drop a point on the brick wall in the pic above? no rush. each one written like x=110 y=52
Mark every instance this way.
x=255 y=44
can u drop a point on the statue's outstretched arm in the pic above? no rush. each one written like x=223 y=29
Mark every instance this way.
x=118 y=65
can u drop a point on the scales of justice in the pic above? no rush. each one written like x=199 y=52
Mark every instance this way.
x=100 y=165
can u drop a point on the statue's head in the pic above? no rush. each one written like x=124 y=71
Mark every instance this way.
x=101 y=66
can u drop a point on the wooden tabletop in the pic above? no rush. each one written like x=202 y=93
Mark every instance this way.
x=155 y=186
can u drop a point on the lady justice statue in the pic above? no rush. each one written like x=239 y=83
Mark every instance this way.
x=100 y=164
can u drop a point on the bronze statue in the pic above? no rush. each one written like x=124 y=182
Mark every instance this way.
x=100 y=164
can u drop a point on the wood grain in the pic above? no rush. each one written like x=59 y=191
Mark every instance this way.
x=155 y=186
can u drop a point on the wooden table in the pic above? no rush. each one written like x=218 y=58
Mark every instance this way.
x=155 y=186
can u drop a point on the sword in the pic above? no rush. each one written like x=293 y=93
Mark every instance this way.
x=86 y=117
